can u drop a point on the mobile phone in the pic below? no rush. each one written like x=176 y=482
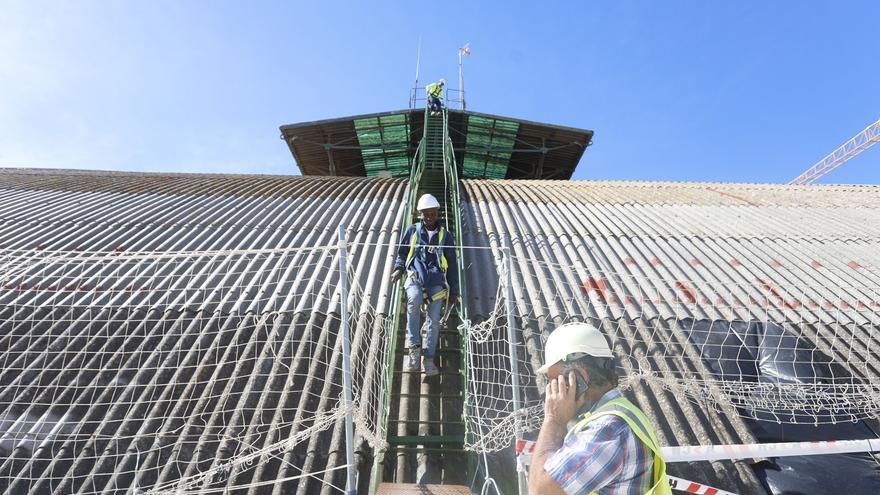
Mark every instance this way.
x=581 y=385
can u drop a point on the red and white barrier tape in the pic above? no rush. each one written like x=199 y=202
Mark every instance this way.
x=784 y=449
x=525 y=447
x=693 y=487
x=695 y=453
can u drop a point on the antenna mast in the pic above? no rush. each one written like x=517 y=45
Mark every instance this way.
x=463 y=51
x=414 y=94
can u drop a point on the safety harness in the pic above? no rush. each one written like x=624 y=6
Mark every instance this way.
x=435 y=90
x=416 y=249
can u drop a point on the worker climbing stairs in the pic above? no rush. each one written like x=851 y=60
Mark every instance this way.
x=433 y=180
x=425 y=426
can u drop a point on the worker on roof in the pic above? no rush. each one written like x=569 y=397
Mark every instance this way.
x=435 y=92
x=427 y=256
x=593 y=440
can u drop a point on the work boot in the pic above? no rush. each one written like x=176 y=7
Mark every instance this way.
x=412 y=361
x=430 y=368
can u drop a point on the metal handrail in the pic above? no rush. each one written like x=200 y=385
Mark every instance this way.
x=450 y=178
x=451 y=172
x=395 y=309
x=459 y=99
x=458 y=96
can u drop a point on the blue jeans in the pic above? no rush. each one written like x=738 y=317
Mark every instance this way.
x=414 y=318
x=436 y=106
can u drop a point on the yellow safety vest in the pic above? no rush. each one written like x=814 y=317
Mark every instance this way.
x=636 y=419
x=435 y=90
x=414 y=240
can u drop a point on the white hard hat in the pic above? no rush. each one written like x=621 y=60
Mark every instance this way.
x=427 y=201
x=574 y=338
x=442 y=81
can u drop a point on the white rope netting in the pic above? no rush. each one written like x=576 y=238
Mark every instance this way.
x=178 y=372
x=193 y=372
x=796 y=354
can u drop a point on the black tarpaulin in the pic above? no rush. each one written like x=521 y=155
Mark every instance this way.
x=762 y=352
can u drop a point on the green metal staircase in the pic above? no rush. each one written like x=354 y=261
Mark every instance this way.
x=433 y=180
x=424 y=422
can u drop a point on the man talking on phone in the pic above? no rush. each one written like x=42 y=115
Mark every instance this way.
x=593 y=440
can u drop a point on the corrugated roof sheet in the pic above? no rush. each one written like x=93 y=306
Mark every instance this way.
x=699 y=239
x=811 y=236
x=581 y=249
x=91 y=212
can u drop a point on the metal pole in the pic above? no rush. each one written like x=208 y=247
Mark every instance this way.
x=514 y=363
x=461 y=80
x=351 y=488
x=415 y=91
x=418 y=59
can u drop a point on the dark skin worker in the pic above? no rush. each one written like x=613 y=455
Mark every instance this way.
x=430 y=218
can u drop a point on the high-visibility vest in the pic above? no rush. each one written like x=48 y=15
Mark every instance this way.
x=414 y=240
x=636 y=419
x=435 y=90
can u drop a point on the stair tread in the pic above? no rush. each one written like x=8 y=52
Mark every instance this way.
x=426 y=421
x=444 y=373
x=431 y=396
x=425 y=439
x=441 y=352
x=417 y=489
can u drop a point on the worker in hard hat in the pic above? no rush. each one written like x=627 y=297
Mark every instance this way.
x=435 y=92
x=593 y=440
x=426 y=255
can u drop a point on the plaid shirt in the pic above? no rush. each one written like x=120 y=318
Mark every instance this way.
x=606 y=457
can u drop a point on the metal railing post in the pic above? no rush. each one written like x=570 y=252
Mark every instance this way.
x=351 y=487
x=514 y=362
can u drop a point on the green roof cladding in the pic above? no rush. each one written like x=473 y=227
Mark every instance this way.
x=485 y=146
x=496 y=137
x=384 y=142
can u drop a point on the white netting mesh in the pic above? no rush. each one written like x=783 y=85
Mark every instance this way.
x=178 y=372
x=777 y=352
x=194 y=372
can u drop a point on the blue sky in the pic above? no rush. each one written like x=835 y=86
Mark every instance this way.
x=751 y=91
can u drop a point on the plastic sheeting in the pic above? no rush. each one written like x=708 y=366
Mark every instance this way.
x=768 y=353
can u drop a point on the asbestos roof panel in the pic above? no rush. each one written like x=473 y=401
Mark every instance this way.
x=640 y=257
x=636 y=236
x=742 y=251
x=96 y=212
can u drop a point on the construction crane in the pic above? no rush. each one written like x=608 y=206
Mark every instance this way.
x=850 y=149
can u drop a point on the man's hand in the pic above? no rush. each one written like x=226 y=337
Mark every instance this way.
x=453 y=299
x=560 y=401
x=560 y=405
x=396 y=276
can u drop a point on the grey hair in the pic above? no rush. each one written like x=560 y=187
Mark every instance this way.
x=601 y=370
